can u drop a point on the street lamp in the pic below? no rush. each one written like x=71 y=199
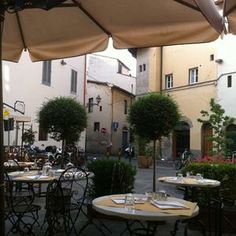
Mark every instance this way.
x=98 y=99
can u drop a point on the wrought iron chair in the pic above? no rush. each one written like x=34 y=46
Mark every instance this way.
x=64 y=200
x=20 y=210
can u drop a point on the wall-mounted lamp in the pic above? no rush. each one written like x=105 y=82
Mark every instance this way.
x=219 y=61
x=63 y=63
x=98 y=99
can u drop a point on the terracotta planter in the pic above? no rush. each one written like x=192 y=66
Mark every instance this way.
x=144 y=161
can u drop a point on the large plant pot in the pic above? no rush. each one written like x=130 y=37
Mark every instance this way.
x=144 y=161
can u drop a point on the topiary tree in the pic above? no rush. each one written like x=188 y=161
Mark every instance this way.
x=154 y=116
x=64 y=118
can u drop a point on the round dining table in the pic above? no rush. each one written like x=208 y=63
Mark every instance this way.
x=190 y=181
x=144 y=211
x=36 y=176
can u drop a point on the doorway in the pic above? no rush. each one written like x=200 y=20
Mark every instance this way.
x=125 y=143
x=231 y=135
x=207 y=132
x=181 y=138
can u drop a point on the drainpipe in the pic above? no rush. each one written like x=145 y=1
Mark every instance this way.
x=161 y=68
x=84 y=103
x=112 y=93
x=161 y=71
x=85 y=79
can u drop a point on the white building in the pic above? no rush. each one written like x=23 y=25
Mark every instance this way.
x=32 y=84
x=110 y=70
x=35 y=83
x=226 y=81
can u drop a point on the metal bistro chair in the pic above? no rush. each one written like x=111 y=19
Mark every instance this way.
x=64 y=200
x=20 y=210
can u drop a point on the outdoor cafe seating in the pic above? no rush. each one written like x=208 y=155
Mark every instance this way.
x=20 y=209
x=64 y=200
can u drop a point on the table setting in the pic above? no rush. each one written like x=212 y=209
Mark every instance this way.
x=141 y=206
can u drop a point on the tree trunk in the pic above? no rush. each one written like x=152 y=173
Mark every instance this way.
x=62 y=153
x=154 y=166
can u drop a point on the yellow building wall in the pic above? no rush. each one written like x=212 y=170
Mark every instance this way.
x=191 y=101
x=177 y=60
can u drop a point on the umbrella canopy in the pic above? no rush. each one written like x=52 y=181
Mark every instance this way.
x=230 y=13
x=76 y=27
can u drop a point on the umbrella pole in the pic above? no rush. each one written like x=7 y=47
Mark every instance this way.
x=2 y=221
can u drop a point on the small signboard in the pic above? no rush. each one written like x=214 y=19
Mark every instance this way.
x=103 y=130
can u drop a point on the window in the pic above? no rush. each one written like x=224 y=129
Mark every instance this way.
x=43 y=135
x=73 y=87
x=90 y=105
x=193 y=75
x=96 y=126
x=140 y=68
x=169 y=81
x=229 y=81
x=100 y=108
x=125 y=107
x=212 y=57
x=144 y=67
x=47 y=73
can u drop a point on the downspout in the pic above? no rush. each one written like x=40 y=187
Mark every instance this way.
x=111 y=135
x=161 y=71
x=161 y=68
x=85 y=79
x=84 y=103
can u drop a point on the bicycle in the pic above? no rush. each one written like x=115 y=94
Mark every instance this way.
x=183 y=160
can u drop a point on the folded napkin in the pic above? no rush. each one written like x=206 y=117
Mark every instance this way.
x=121 y=200
x=169 y=204
x=36 y=176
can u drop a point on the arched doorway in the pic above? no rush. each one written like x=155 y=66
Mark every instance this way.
x=231 y=134
x=206 y=143
x=181 y=138
x=125 y=143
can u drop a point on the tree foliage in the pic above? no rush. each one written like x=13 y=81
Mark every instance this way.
x=218 y=121
x=154 y=116
x=29 y=136
x=64 y=118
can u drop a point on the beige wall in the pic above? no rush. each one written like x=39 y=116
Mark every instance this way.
x=120 y=117
x=177 y=60
x=112 y=102
x=191 y=101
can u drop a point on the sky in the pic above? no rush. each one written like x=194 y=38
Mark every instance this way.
x=123 y=55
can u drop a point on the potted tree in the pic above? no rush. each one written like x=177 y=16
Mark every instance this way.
x=152 y=117
x=144 y=153
x=64 y=118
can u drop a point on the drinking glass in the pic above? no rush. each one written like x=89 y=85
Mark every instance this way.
x=129 y=202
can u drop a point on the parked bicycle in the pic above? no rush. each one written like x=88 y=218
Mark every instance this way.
x=183 y=160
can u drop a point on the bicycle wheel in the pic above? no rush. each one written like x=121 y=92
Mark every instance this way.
x=178 y=164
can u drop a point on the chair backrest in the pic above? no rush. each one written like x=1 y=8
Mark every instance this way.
x=15 y=196
x=74 y=181
x=55 y=202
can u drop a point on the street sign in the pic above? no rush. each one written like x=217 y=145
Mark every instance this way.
x=103 y=130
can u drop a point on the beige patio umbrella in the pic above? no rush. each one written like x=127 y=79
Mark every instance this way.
x=75 y=27
x=230 y=13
